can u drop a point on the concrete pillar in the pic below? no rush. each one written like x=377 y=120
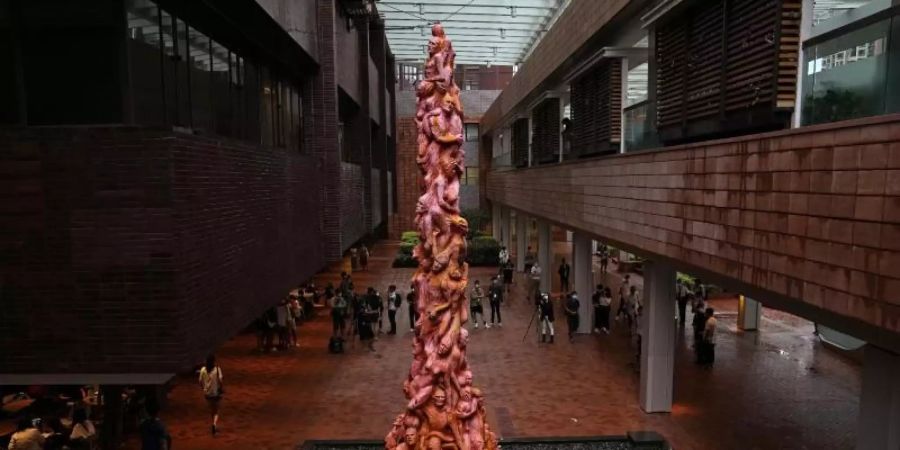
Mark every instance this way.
x=505 y=234
x=521 y=240
x=878 y=427
x=545 y=254
x=583 y=277
x=495 y=221
x=749 y=312
x=657 y=329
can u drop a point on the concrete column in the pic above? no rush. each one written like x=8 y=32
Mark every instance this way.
x=521 y=240
x=878 y=427
x=657 y=329
x=749 y=312
x=505 y=235
x=495 y=221
x=545 y=254
x=583 y=277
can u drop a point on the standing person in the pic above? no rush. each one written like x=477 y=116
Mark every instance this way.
x=508 y=274
x=563 y=271
x=376 y=305
x=503 y=256
x=572 y=305
x=411 y=305
x=605 y=302
x=364 y=317
x=475 y=304
x=294 y=314
x=699 y=325
x=364 y=257
x=154 y=435
x=211 y=383
x=354 y=259
x=545 y=309
x=709 y=339
x=26 y=437
x=701 y=290
x=623 y=297
x=681 y=296
x=345 y=285
x=595 y=303
x=271 y=328
x=338 y=312
x=281 y=315
x=495 y=300
x=604 y=259
x=534 y=281
x=634 y=308
x=394 y=301
x=529 y=259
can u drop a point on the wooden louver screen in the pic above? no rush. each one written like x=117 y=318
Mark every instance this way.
x=596 y=101
x=520 y=142
x=717 y=61
x=545 y=131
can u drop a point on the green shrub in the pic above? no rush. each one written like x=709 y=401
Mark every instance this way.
x=483 y=251
x=410 y=236
x=477 y=220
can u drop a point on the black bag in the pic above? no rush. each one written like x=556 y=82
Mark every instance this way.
x=336 y=344
x=397 y=300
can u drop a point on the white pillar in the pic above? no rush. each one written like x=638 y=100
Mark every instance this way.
x=878 y=427
x=495 y=221
x=657 y=328
x=583 y=278
x=749 y=312
x=545 y=254
x=505 y=235
x=521 y=233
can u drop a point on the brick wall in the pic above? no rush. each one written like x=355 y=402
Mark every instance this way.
x=137 y=250
x=809 y=216
x=407 y=178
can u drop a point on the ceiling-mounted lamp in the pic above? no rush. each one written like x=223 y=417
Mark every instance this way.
x=512 y=11
x=495 y=52
x=421 y=9
x=422 y=31
x=502 y=33
x=488 y=64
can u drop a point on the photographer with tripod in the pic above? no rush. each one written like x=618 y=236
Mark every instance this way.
x=545 y=309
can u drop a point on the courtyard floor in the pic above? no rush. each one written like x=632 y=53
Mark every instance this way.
x=778 y=388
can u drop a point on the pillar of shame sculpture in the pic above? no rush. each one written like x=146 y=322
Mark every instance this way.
x=444 y=409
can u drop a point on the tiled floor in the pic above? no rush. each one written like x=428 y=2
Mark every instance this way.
x=775 y=389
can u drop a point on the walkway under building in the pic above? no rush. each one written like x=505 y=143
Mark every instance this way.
x=778 y=388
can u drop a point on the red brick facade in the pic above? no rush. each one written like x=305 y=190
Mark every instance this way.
x=136 y=250
x=810 y=215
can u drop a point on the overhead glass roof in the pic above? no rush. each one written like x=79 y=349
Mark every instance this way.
x=498 y=32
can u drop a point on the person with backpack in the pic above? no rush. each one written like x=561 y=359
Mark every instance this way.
x=475 y=304
x=213 y=389
x=394 y=299
x=338 y=311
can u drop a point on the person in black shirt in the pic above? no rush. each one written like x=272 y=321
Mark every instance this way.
x=595 y=302
x=411 y=305
x=496 y=298
x=572 y=306
x=564 y=270
x=508 y=275
x=545 y=309
x=373 y=299
x=393 y=303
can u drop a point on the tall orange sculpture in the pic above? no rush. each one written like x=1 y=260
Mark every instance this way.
x=445 y=411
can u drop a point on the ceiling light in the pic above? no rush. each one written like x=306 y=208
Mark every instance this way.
x=502 y=33
x=421 y=8
x=512 y=11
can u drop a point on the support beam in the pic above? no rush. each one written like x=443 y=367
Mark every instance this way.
x=521 y=240
x=657 y=331
x=749 y=312
x=495 y=221
x=879 y=407
x=583 y=277
x=545 y=254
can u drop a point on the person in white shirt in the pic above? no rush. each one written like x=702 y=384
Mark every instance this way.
x=504 y=256
x=211 y=384
x=708 y=356
x=394 y=300
x=82 y=428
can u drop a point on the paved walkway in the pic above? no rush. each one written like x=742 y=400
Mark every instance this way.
x=775 y=389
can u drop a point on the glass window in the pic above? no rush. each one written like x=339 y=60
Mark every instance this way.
x=471 y=176
x=892 y=100
x=638 y=79
x=144 y=60
x=472 y=132
x=221 y=99
x=827 y=9
x=845 y=77
x=252 y=93
x=199 y=62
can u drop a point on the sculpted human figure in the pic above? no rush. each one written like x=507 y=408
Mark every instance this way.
x=444 y=411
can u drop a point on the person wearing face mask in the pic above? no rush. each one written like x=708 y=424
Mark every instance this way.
x=572 y=316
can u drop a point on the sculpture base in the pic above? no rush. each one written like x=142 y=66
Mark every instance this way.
x=638 y=440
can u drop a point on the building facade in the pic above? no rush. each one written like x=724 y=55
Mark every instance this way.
x=173 y=168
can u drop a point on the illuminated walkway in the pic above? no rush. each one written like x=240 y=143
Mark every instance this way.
x=778 y=388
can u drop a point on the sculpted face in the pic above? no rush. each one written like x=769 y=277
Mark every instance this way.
x=410 y=437
x=467 y=378
x=434 y=45
x=439 y=397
